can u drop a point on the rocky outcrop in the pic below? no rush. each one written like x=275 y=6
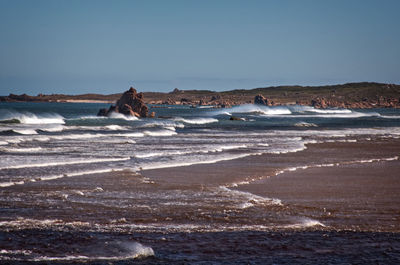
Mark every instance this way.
x=319 y=103
x=378 y=102
x=169 y=101
x=20 y=98
x=261 y=100
x=131 y=103
x=234 y=118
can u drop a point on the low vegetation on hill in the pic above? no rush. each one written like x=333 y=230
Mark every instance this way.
x=350 y=95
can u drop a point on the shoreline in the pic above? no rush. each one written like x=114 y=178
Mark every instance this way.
x=84 y=101
x=299 y=181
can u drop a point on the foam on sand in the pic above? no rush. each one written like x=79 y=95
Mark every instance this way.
x=205 y=150
x=156 y=165
x=305 y=223
x=113 y=250
x=62 y=163
x=118 y=251
x=247 y=199
x=66 y=175
x=22 y=150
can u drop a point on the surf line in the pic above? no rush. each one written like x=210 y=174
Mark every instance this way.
x=290 y=169
x=87 y=161
x=12 y=183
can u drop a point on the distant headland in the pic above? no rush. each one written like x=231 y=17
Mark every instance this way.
x=349 y=95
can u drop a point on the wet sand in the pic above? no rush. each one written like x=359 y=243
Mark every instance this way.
x=356 y=196
x=346 y=185
x=349 y=187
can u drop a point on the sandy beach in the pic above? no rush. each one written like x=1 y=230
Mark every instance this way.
x=342 y=184
x=283 y=185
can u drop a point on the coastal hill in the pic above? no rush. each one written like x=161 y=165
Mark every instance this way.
x=350 y=95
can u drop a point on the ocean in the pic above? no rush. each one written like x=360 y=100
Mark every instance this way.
x=282 y=184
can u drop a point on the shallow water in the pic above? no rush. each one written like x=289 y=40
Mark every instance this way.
x=75 y=187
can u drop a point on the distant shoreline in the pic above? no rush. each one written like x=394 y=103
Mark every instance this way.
x=84 y=101
x=350 y=95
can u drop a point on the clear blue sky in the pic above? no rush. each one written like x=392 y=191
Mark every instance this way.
x=76 y=47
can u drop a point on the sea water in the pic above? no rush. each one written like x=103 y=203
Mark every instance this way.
x=77 y=182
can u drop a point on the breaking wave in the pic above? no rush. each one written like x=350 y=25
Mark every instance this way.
x=31 y=118
x=196 y=120
x=253 y=108
x=62 y=163
x=100 y=251
x=115 y=115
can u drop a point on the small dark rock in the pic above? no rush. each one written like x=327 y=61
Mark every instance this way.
x=234 y=118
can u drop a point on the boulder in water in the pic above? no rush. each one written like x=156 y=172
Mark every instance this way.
x=131 y=103
x=234 y=118
x=261 y=100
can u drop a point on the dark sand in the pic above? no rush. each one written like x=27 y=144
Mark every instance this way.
x=358 y=202
x=354 y=193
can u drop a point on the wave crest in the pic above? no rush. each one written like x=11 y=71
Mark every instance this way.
x=31 y=118
x=257 y=109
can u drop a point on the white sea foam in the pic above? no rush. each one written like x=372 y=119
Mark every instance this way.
x=112 y=250
x=247 y=199
x=304 y=167
x=196 y=120
x=11 y=183
x=160 y=227
x=62 y=163
x=347 y=115
x=204 y=150
x=22 y=150
x=305 y=124
x=127 y=250
x=25 y=131
x=82 y=136
x=160 y=133
x=155 y=165
x=96 y=135
x=111 y=127
x=115 y=115
x=57 y=128
x=253 y=108
x=31 y=118
x=312 y=109
x=90 y=117
x=15 y=252
x=390 y=116
x=114 y=127
x=66 y=175
x=162 y=123
x=305 y=223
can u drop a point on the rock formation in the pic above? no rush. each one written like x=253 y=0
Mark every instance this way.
x=319 y=103
x=131 y=103
x=261 y=100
